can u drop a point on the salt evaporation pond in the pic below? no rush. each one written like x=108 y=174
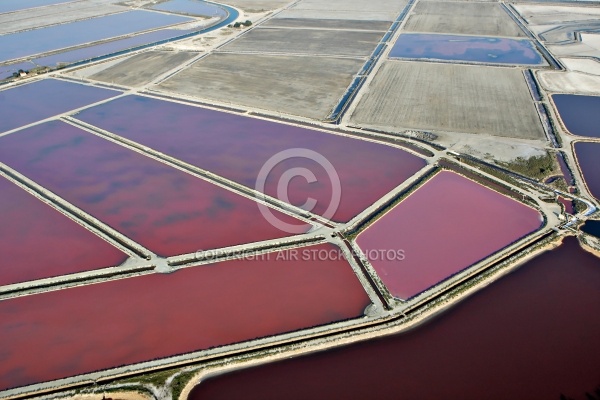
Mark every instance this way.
x=466 y=48
x=568 y=204
x=564 y=168
x=39 y=242
x=192 y=7
x=532 y=335
x=121 y=322
x=104 y=49
x=15 y=5
x=592 y=228
x=166 y=210
x=466 y=222
x=236 y=147
x=37 y=41
x=26 y=104
x=589 y=163
x=579 y=113
x=128 y=43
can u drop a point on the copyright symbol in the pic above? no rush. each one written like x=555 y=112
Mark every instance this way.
x=284 y=182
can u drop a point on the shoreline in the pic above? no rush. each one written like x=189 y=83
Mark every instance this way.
x=388 y=329
x=125 y=395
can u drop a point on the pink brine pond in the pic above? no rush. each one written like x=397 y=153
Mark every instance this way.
x=238 y=147
x=164 y=209
x=39 y=242
x=445 y=226
x=64 y=333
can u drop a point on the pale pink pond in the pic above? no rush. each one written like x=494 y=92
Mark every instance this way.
x=26 y=104
x=466 y=48
x=445 y=226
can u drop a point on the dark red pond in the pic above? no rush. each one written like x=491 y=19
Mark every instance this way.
x=79 y=330
x=236 y=147
x=589 y=163
x=579 y=113
x=445 y=226
x=36 y=101
x=568 y=203
x=39 y=242
x=166 y=210
x=566 y=171
x=532 y=335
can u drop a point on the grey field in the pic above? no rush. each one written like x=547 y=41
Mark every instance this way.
x=464 y=1
x=304 y=86
x=307 y=41
x=142 y=68
x=354 y=10
x=328 y=24
x=462 y=18
x=350 y=5
x=257 y=5
x=57 y=14
x=453 y=98
x=332 y=14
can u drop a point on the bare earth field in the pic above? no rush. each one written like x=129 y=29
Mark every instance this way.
x=56 y=14
x=307 y=41
x=565 y=33
x=556 y=23
x=342 y=14
x=328 y=24
x=350 y=5
x=304 y=86
x=588 y=66
x=452 y=1
x=257 y=5
x=462 y=18
x=142 y=68
x=541 y=14
x=575 y=49
x=453 y=98
x=569 y=82
x=377 y=10
x=492 y=148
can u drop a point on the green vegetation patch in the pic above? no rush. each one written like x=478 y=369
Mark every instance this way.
x=180 y=382
x=537 y=167
x=157 y=379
